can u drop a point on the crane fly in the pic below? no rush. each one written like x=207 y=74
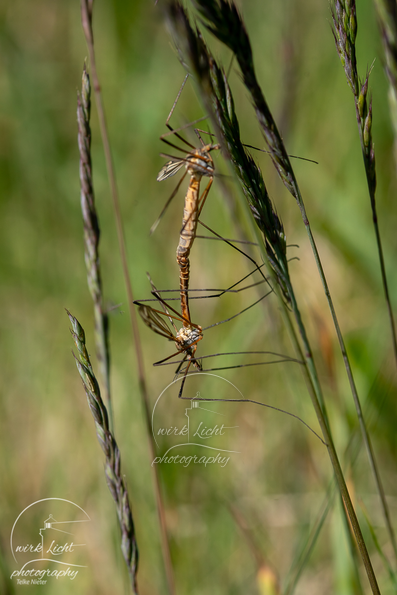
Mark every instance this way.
x=198 y=164
x=186 y=338
x=186 y=341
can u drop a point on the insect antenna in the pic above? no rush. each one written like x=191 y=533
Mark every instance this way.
x=252 y=146
x=184 y=127
x=292 y=156
x=231 y=240
x=169 y=118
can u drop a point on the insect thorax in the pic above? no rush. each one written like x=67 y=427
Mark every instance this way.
x=200 y=164
x=187 y=337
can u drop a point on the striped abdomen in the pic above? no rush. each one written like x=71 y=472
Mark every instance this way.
x=186 y=239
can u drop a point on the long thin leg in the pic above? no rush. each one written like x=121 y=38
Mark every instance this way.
x=285 y=358
x=201 y=203
x=204 y=297
x=156 y=292
x=235 y=248
x=255 y=403
x=184 y=380
x=203 y=197
x=222 y=291
x=155 y=224
x=175 y=132
x=180 y=365
x=161 y=362
x=239 y=313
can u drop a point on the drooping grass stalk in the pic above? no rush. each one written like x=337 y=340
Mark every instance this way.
x=215 y=91
x=224 y=21
x=86 y=16
x=114 y=478
x=258 y=207
x=345 y=30
x=91 y=236
x=387 y=14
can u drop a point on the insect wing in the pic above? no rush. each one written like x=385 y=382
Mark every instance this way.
x=155 y=322
x=170 y=169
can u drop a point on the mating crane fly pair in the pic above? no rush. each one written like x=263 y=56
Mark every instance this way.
x=198 y=163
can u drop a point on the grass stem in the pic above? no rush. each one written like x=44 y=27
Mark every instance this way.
x=345 y=31
x=225 y=23
x=106 y=439
x=91 y=237
x=86 y=13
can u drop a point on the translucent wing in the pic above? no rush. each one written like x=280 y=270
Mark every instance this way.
x=162 y=304
x=170 y=169
x=154 y=321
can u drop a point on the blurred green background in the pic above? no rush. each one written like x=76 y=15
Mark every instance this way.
x=272 y=492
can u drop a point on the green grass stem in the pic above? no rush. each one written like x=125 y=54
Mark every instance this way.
x=224 y=21
x=226 y=24
x=345 y=31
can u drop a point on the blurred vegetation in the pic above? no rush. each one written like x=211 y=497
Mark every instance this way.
x=278 y=482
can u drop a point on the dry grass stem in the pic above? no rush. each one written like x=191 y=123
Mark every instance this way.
x=114 y=479
x=92 y=235
x=86 y=15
